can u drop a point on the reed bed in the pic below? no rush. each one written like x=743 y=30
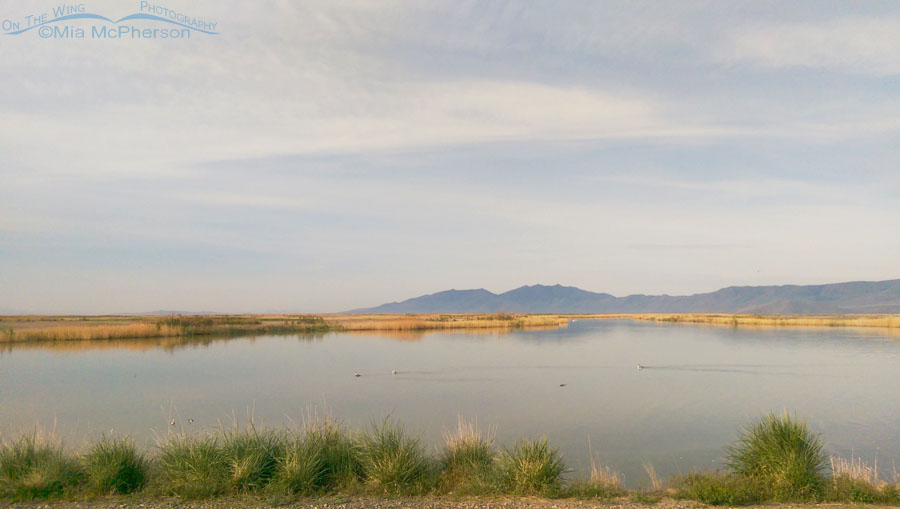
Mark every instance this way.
x=94 y=332
x=34 y=329
x=445 y=321
x=882 y=321
x=89 y=328
x=775 y=459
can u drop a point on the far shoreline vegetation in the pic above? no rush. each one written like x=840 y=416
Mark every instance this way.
x=775 y=460
x=47 y=328
x=36 y=328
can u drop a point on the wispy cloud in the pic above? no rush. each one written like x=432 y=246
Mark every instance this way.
x=153 y=137
x=683 y=247
x=860 y=45
x=236 y=199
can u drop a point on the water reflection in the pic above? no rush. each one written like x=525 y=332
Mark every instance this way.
x=168 y=344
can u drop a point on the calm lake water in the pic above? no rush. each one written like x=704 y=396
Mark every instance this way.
x=700 y=385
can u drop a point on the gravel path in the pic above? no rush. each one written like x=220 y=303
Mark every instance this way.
x=390 y=503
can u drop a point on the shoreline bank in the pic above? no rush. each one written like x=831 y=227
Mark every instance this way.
x=777 y=459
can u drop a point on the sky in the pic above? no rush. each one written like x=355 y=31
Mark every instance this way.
x=318 y=156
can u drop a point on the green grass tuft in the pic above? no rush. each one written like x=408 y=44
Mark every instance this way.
x=339 y=455
x=468 y=461
x=301 y=469
x=392 y=461
x=532 y=468
x=324 y=458
x=113 y=466
x=251 y=458
x=782 y=453
x=34 y=467
x=720 y=489
x=192 y=467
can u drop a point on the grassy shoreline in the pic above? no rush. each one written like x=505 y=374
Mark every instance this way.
x=399 y=502
x=747 y=320
x=36 y=328
x=776 y=459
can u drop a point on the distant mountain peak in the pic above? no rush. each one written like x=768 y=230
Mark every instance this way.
x=850 y=297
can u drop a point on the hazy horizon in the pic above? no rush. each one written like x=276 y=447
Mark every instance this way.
x=324 y=156
x=12 y=311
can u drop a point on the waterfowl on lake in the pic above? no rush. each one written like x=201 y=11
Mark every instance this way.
x=394 y=372
x=640 y=367
x=356 y=375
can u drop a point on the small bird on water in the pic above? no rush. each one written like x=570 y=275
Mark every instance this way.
x=356 y=375
x=393 y=371
x=640 y=367
x=562 y=385
x=172 y=422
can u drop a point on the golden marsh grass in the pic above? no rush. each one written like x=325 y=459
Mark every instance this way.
x=25 y=329
x=881 y=321
x=424 y=322
x=82 y=333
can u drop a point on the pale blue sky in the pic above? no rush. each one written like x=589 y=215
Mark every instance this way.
x=321 y=156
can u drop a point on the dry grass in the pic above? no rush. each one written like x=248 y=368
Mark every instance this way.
x=603 y=483
x=605 y=475
x=856 y=480
x=656 y=483
x=856 y=469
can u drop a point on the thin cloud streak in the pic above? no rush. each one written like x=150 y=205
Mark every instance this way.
x=857 y=45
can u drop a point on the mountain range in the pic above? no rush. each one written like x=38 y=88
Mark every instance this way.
x=838 y=298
